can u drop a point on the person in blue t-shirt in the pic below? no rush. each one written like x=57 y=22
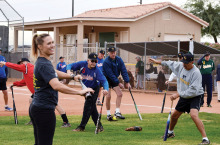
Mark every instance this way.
x=113 y=66
x=61 y=66
x=3 y=80
x=92 y=76
x=99 y=64
x=46 y=86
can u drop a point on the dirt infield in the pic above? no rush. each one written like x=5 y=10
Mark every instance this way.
x=149 y=102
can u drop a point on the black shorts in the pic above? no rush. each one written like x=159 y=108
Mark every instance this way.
x=110 y=83
x=184 y=105
x=3 y=84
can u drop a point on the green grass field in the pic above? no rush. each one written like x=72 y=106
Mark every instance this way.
x=114 y=132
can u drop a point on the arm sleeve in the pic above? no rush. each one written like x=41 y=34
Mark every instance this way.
x=18 y=67
x=124 y=72
x=109 y=72
x=102 y=80
x=172 y=76
x=75 y=66
x=194 y=88
x=173 y=65
x=20 y=83
x=199 y=62
x=57 y=66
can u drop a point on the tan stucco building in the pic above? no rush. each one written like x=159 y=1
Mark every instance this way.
x=148 y=22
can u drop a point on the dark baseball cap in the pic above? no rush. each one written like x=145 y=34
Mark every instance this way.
x=188 y=57
x=102 y=51
x=180 y=54
x=22 y=60
x=207 y=53
x=93 y=56
x=111 y=49
x=61 y=57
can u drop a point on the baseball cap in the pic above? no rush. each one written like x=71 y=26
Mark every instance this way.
x=111 y=49
x=102 y=51
x=22 y=60
x=188 y=57
x=138 y=57
x=93 y=56
x=207 y=53
x=61 y=57
x=180 y=54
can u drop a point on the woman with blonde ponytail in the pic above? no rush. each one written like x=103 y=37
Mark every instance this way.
x=46 y=86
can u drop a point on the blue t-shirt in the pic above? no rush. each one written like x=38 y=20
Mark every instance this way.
x=91 y=77
x=100 y=63
x=61 y=66
x=3 y=69
x=45 y=96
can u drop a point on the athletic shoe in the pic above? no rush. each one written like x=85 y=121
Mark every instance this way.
x=119 y=115
x=65 y=124
x=8 y=109
x=100 y=129
x=29 y=123
x=209 y=105
x=79 y=128
x=109 y=118
x=98 y=102
x=169 y=135
x=204 y=142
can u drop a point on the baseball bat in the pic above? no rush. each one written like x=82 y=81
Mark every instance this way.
x=135 y=105
x=14 y=107
x=88 y=94
x=164 y=98
x=99 y=117
x=168 y=124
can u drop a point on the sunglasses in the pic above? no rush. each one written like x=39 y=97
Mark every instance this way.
x=94 y=61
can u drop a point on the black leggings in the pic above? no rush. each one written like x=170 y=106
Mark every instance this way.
x=44 y=122
x=90 y=109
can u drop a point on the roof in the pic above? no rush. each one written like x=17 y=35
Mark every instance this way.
x=164 y=48
x=128 y=13
x=137 y=12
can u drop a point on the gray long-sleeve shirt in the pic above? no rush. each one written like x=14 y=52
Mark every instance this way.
x=189 y=84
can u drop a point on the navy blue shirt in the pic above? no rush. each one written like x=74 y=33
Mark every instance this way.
x=113 y=68
x=3 y=69
x=218 y=73
x=91 y=77
x=61 y=66
x=45 y=96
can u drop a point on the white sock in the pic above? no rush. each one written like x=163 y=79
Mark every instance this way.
x=117 y=110
x=6 y=105
x=170 y=131
x=206 y=138
x=108 y=112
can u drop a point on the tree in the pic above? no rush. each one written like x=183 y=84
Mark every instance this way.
x=209 y=11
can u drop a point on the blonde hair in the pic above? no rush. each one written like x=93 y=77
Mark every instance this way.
x=38 y=39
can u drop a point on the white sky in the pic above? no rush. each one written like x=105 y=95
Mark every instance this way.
x=37 y=10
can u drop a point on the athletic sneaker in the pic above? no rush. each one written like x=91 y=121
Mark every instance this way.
x=29 y=123
x=209 y=105
x=65 y=124
x=100 y=129
x=119 y=115
x=109 y=118
x=169 y=135
x=8 y=109
x=204 y=142
x=79 y=128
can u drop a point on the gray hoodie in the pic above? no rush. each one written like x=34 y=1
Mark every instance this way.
x=189 y=82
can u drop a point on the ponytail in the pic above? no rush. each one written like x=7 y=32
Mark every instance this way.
x=37 y=40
